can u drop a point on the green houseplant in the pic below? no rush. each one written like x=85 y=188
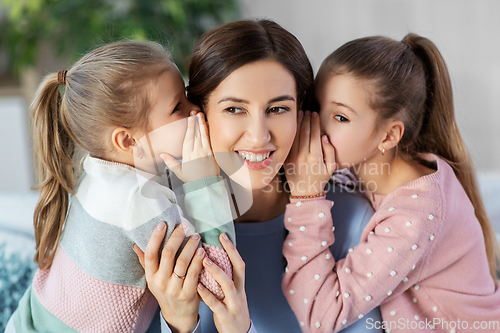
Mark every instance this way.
x=73 y=27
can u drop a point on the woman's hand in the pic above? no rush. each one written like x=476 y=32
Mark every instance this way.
x=311 y=161
x=197 y=157
x=174 y=282
x=230 y=315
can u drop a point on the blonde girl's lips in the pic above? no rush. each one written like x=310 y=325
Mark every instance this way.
x=256 y=160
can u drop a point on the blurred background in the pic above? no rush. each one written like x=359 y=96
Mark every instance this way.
x=38 y=37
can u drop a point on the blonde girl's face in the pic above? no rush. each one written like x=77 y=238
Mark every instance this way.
x=252 y=119
x=167 y=121
x=348 y=120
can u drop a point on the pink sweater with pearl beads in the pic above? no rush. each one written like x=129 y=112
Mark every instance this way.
x=421 y=258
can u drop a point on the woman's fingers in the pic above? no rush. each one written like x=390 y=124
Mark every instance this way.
x=151 y=255
x=236 y=261
x=188 y=145
x=315 y=143
x=187 y=253
x=204 y=132
x=296 y=141
x=305 y=133
x=224 y=281
x=194 y=270
x=140 y=255
x=211 y=301
x=170 y=249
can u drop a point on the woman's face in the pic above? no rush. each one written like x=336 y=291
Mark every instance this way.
x=252 y=118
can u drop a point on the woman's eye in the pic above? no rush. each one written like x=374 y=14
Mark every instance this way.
x=233 y=110
x=177 y=108
x=341 y=118
x=278 y=109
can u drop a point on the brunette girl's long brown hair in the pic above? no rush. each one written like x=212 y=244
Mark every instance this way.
x=410 y=80
x=107 y=88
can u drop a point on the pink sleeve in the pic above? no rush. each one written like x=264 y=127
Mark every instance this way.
x=327 y=293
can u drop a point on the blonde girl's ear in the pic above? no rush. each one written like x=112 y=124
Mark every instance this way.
x=392 y=135
x=123 y=140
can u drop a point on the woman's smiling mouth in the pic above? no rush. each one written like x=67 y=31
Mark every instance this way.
x=256 y=159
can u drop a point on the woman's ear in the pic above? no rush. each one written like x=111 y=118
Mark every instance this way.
x=393 y=134
x=123 y=140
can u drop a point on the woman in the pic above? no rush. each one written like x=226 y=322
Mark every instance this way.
x=250 y=79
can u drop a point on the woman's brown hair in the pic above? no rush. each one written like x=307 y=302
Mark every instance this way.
x=107 y=88
x=224 y=49
x=409 y=81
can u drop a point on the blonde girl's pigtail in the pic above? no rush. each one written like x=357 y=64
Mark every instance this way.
x=54 y=149
x=439 y=135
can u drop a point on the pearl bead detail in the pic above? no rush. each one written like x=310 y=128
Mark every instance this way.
x=321 y=215
x=387 y=229
x=369 y=251
x=408 y=224
x=316 y=277
x=390 y=249
x=302 y=228
x=289 y=219
x=370 y=274
x=347 y=270
x=368 y=298
x=298 y=204
x=414 y=196
x=324 y=243
x=304 y=258
x=393 y=273
x=414 y=247
x=431 y=217
x=318 y=324
x=346 y=295
x=393 y=313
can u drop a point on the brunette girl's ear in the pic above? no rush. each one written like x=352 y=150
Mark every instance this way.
x=123 y=140
x=393 y=134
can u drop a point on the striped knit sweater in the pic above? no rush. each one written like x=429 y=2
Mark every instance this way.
x=96 y=283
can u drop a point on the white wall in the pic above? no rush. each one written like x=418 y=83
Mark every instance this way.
x=465 y=31
x=15 y=152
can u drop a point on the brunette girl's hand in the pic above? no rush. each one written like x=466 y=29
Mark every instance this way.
x=311 y=161
x=174 y=282
x=197 y=157
x=231 y=314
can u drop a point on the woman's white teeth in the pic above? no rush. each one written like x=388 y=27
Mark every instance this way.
x=254 y=157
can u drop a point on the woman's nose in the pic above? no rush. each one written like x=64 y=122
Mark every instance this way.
x=258 y=133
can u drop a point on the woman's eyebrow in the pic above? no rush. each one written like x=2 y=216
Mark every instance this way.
x=233 y=99
x=345 y=106
x=282 y=98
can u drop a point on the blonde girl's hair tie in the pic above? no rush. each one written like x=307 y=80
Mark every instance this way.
x=61 y=77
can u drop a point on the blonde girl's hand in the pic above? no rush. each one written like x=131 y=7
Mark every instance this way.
x=231 y=314
x=197 y=157
x=174 y=282
x=311 y=161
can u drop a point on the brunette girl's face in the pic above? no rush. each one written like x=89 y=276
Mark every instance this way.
x=348 y=120
x=252 y=119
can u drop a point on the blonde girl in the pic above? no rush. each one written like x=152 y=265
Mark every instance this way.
x=123 y=104
x=428 y=256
